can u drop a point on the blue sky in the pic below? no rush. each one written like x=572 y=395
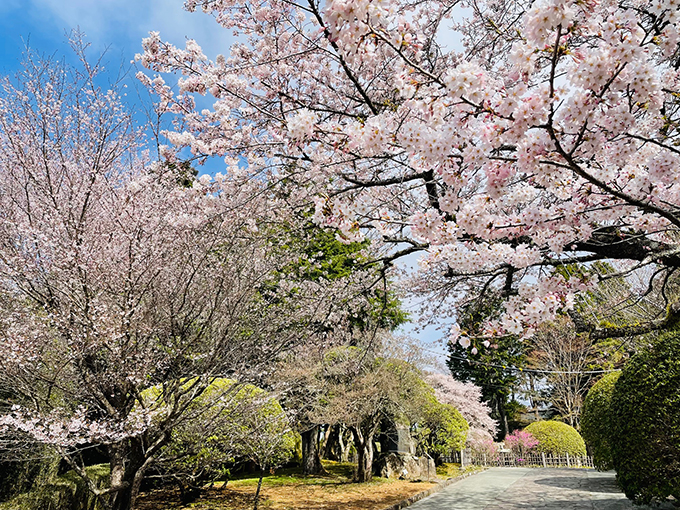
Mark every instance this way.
x=114 y=26
x=117 y=24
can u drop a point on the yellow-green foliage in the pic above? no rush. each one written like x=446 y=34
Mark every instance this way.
x=67 y=491
x=443 y=428
x=557 y=438
x=221 y=424
x=596 y=420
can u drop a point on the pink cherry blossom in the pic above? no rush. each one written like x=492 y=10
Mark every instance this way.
x=543 y=138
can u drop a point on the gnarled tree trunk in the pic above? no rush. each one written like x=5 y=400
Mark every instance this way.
x=363 y=442
x=311 y=461
x=333 y=447
x=122 y=474
x=129 y=461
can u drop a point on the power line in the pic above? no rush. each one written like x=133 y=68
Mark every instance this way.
x=532 y=370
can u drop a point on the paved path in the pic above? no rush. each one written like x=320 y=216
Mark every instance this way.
x=532 y=489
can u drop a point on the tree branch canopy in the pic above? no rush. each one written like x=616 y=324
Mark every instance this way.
x=549 y=138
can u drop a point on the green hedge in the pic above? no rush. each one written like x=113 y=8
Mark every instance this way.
x=646 y=429
x=596 y=420
x=557 y=438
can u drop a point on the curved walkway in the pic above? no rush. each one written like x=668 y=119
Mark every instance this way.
x=532 y=489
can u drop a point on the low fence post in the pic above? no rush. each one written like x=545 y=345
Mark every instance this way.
x=543 y=459
x=568 y=463
x=462 y=458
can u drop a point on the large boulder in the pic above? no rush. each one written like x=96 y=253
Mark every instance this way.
x=406 y=467
x=397 y=438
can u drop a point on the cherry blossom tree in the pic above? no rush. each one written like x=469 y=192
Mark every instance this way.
x=115 y=278
x=466 y=397
x=499 y=138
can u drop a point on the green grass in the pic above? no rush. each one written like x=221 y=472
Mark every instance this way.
x=453 y=470
x=338 y=473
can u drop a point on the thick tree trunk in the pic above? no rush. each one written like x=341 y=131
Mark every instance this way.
x=127 y=471
x=122 y=498
x=345 y=444
x=364 y=445
x=311 y=461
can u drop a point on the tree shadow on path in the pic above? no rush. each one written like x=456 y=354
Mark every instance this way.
x=603 y=485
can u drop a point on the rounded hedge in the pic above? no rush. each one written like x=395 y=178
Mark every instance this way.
x=645 y=436
x=557 y=438
x=596 y=420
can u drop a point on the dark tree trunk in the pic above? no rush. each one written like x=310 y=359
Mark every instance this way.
x=122 y=498
x=127 y=462
x=257 y=492
x=364 y=445
x=333 y=449
x=502 y=416
x=311 y=461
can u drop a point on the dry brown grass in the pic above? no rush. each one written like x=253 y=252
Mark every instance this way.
x=294 y=492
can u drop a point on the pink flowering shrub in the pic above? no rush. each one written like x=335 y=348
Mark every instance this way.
x=521 y=442
x=481 y=444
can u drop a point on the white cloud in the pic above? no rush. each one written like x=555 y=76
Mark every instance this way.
x=123 y=23
x=175 y=25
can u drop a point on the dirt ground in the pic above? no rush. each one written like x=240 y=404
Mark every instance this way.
x=332 y=496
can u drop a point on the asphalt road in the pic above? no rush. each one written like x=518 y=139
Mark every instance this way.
x=532 y=488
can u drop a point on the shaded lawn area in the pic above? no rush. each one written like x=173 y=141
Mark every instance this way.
x=287 y=489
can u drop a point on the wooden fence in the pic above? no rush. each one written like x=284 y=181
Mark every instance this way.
x=509 y=459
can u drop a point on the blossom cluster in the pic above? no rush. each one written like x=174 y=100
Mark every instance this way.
x=500 y=162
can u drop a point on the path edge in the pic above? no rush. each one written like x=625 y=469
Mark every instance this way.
x=432 y=490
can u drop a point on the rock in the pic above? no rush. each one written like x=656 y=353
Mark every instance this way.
x=397 y=438
x=406 y=467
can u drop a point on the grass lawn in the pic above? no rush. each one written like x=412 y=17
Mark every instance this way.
x=289 y=490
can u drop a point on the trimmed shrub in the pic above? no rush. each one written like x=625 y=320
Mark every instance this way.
x=557 y=438
x=596 y=420
x=645 y=434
